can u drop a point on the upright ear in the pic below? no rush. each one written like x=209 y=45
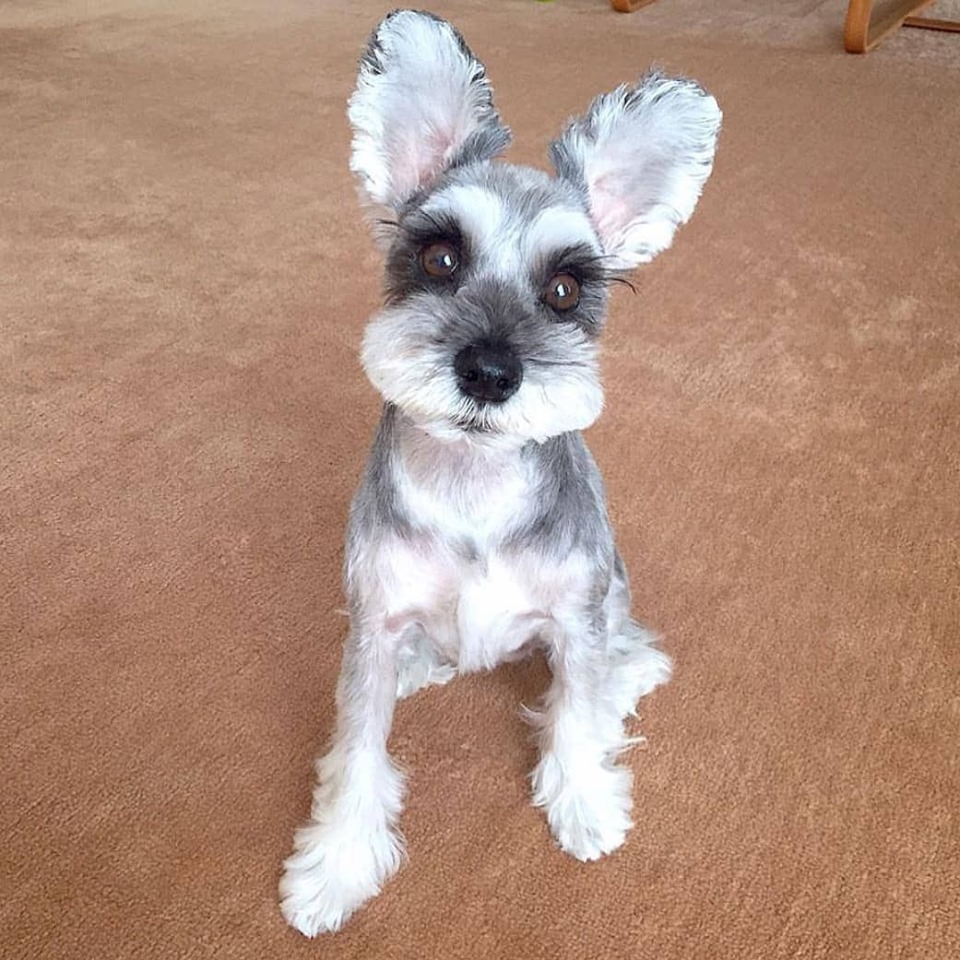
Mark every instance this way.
x=422 y=105
x=641 y=155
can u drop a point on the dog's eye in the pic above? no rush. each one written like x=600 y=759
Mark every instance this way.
x=439 y=259
x=562 y=292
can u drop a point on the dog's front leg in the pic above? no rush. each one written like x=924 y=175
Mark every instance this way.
x=585 y=794
x=350 y=846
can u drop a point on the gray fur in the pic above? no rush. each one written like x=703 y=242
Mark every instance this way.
x=480 y=527
x=523 y=193
x=567 y=513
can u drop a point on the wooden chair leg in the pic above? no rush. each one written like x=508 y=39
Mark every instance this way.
x=628 y=6
x=931 y=23
x=863 y=31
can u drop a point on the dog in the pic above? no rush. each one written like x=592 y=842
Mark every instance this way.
x=480 y=529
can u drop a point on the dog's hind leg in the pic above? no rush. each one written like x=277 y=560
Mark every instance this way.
x=636 y=666
x=419 y=665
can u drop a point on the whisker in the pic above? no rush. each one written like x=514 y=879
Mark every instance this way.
x=623 y=281
x=440 y=227
x=567 y=364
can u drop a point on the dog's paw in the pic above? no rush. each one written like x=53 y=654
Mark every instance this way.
x=636 y=668
x=332 y=872
x=588 y=813
x=414 y=675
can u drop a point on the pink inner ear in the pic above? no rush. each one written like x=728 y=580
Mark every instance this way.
x=608 y=209
x=419 y=160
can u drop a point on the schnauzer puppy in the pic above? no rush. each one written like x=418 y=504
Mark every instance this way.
x=480 y=528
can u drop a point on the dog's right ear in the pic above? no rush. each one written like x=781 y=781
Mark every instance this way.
x=421 y=106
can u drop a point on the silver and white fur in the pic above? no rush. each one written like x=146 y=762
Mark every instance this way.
x=480 y=529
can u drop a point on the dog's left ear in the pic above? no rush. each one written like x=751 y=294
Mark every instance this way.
x=641 y=155
x=422 y=104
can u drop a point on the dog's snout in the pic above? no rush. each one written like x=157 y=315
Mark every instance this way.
x=488 y=371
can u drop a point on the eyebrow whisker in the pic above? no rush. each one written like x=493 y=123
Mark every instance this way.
x=621 y=280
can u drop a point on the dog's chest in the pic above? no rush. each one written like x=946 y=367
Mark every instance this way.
x=467 y=501
x=479 y=593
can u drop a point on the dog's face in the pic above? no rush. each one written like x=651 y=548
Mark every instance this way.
x=496 y=289
x=497 y=275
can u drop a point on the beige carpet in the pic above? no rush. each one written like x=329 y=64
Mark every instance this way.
x=184 y=277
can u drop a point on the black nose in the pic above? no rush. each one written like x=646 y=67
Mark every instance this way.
x=488 y=371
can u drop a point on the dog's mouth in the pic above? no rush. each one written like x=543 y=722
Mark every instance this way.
x=462 y=429
x=477 y=419
x=474 y=426
x=470 y=430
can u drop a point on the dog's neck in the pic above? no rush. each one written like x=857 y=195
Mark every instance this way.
x=451 y=456
x=459 y=481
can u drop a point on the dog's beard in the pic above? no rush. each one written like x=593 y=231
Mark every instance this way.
x=413 y=370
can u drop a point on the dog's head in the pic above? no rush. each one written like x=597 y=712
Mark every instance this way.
x=497 y=275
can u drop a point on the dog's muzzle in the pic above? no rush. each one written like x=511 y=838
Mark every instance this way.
x=487 y=371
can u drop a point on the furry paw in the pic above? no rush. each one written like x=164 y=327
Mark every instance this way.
x=332 y=872
x=418 y=666
x=589 y=811
x=636 y=668
x=416 y=674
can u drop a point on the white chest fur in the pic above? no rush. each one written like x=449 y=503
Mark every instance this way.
x=460 y=489
x=477 y=599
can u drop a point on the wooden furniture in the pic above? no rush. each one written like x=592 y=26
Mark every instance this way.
x=863 y=30
x=628 y=6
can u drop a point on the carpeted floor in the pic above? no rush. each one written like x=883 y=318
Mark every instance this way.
x=184 y=277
